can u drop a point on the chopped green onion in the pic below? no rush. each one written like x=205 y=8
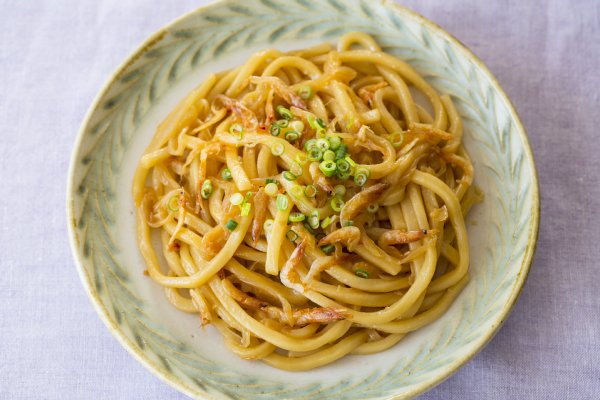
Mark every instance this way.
x=339 y=190
x=271 y=180
x=311 y=121
x=231 y=225
x=277 y=149
x=284 y=112
x=173 y=204
x=237 y=130
x=291 y=236
x=268 y=225
x=226 y=174
x=322 y=144
x=282 y=202
x=373 y=207
x=236 y=199
x=329 y=155
x=296 y=169
x=310 y=144
x=296 y=217
x=351 y=161
x=341 y=152
x=296 y=191
x=315 y=154
x=275 y=130
x=291 y=136
x=326 y=222
x=310 y=191
x=350 y=122
x=206 y=189
x=328 y=168
x=328 y=248
x=283 y=123
x=297 y=126
x=348 y=223
x=321 y=133
x=289 y=176
x=336 y=204
x=343 y=175
x=246 y=209
x=305 y=92
x=361 y=176
x=301 y=158
x=334 y=142
x=396 y=138
x=308 y=228
x=313 y=219
x=321 y=123
x=362 y=273
x=343 y=166
x=271 y=189
x=319 y=236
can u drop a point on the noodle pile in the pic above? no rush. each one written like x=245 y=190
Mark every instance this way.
x=306 y=206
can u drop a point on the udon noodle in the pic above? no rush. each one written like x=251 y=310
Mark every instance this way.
x=306 y=206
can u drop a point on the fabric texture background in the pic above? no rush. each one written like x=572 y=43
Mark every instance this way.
x=56 y=55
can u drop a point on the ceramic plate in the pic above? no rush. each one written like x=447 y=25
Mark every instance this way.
x=124 y=116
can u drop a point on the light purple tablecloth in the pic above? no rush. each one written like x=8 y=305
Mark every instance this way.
x=54 y=57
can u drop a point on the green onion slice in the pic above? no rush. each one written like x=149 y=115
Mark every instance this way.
x=275 y=130
x=341 y=152
x=322 y=144
x=361 y=176
x=246 y=209
x=297 y=217
x=329 y=155
x=282 y=202
x=336 y=204
x=329 y=168
x=328 y=248
x=207 y=189
x=315 y=154
x=310 y=144
x=237 y=130
x=339 y=190
x=226 y=174
x=310 y=191
x=291 y=236
x=313 y=219
x=305 y=92
x=289 y=176
x=292 y=136
x=362 y=273
x=296 y=191
x=284 y=112
x=283 y=123
x=343 y=175
x=277 y=149
x=231 y=225
x=296 y=168
x=326 y=222
x=334 y=142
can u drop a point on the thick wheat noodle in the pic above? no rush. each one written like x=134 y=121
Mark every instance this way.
x=241 y=261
